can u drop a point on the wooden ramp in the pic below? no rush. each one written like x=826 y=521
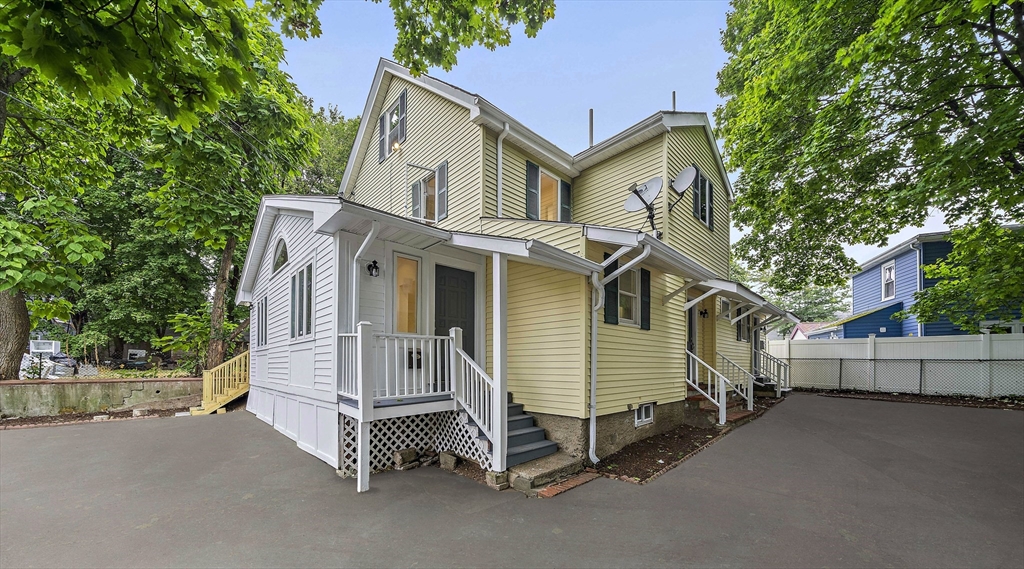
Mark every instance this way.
x=223 y=384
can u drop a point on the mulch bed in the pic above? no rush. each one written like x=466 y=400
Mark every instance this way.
x=644 y=460
x=1015 y=403
x=78 y=418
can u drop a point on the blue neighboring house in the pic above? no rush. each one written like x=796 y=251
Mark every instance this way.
x=886 y=284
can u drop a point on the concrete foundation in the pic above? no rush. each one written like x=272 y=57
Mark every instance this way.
x=30 y=398
x=617 y=430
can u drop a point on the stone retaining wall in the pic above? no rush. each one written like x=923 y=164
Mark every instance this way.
x=36 y=398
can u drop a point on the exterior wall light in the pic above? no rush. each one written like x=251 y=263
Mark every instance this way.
x=373 y=269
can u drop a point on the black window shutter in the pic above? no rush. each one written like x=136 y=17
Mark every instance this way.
x=697 y=189
x=739 y=326
x=401 y=117
x=611 y=294
x=711 y=200
x=532 y=191
x=382 y=145
x=645 y=299
x=566 y=198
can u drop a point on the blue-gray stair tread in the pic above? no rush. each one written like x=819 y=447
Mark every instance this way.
x=520 y=422
x=530 y=451
x=515 y=409
x=524 y=436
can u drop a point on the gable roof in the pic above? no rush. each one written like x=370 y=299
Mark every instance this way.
x=483 y=112
x=834 y=325
x=806 y=328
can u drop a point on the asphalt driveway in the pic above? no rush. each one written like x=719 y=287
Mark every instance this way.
x=816 y=482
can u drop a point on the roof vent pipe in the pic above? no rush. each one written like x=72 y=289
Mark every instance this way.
x=591 y=127
x=501 y=138
x=673 y=101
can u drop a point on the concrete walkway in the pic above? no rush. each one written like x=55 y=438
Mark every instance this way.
x=815 y=482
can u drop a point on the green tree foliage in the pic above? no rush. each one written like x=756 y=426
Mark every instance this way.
x=850 y=120
x=986 y=258
x=149 y=273
x=325 y=169
x=812 y=303
x=192 y=337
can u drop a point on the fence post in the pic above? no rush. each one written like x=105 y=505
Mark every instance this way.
x=840 y=374
x=456 y=363
x=986 y=354
x=871 y=358
x=920 y=379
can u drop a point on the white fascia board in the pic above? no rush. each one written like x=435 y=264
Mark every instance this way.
x=528 y=249
x=688 y=266
x=611 y=235
x=561 y=259
x=637 y=134
x=369 y=118
x=495 y=118
x=684 y=119
x=335 y=221
x=490 y=244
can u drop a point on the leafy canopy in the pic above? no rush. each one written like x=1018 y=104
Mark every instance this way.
x=850 y=120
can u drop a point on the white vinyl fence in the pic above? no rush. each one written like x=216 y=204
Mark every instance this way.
x=982 y=366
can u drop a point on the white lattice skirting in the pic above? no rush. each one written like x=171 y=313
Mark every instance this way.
x=433 y=431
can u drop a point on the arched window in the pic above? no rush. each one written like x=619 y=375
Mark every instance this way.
x=280 y=255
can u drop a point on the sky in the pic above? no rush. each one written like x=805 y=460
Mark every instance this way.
x=621 y=58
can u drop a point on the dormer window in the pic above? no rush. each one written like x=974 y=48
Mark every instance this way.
x=548 y=198
x=703 y=199
x=889 y=280
x=429 y=195
x=392 y=128
x=280 y=255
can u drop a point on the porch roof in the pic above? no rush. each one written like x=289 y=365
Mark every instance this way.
x=663 y=256
x=739 y=293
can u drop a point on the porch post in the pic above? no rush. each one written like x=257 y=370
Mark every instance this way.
x=499 y=362
x=455 y=363
x=364 y=371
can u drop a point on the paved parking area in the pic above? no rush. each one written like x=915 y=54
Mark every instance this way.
x=815 y=482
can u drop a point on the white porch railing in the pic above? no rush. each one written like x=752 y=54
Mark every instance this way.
x=348 y=371
x=409 y=365
x=707 y=381
x=773 y=369
x=742 y=380
x=474 y=390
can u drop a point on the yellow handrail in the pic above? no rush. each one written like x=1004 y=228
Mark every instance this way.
x=226 y=377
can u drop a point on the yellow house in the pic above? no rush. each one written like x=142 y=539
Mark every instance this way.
x=475 y=288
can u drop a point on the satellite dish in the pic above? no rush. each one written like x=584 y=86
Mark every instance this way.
x=643 y=196
x=684 y=180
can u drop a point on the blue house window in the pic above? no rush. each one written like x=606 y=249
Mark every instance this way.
x=889 y=280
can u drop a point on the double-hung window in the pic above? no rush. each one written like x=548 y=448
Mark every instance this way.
x=629 y=286
x=548 y=197
x=391 y=128
x=302 y=302
x=261 y=322
x=703 y=199
x=889 y=280
x=742 y=327
x=429 y=195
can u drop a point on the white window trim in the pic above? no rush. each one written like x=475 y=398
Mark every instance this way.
x=262 y=308
x=638 y=413
x=635 y=275
x=396 y=108
x=705 y=196
x=420 y=311
x=558 y=194
x=437 y=193
x=1015 y=326
x=885 y=266
x=725 y=310
x=311 y=334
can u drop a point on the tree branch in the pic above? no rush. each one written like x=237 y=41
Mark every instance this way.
x=999 y=46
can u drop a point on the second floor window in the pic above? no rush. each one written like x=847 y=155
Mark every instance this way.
x=703 y=200
x=392 y=128
x=889 y=280
x=548 y=198
x=742 y=327
x=429 y=195
x=629 y=286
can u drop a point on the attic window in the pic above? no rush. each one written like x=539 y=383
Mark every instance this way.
x=391 y=128
x=280 y=255
x=703 y=199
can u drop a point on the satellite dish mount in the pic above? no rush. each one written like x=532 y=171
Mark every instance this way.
x=682 y=183
x=642 y=197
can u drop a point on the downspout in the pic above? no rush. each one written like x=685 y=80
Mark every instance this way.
x=597 y=301
x=356 y=272
x=501 y=138
x=920 y=277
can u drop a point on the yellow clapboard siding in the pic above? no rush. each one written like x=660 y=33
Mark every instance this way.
x=687 y=146
x=600 y=190
x=437 y=130
x=565 y=236
x=737 y=351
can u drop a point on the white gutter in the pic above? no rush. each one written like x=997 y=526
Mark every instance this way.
x=356 y=272
x=501 y=138
x=597 y=301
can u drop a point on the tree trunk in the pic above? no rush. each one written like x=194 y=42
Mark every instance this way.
x=14 y=329
x=218 y=340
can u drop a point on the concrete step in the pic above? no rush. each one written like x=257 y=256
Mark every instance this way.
x=543 y=471
x=738 y=416
x=531 y=451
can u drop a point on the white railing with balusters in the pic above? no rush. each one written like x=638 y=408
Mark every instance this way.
x=772 y=368
x=742 y=380
x=409 y=365
x=708 y=382
x=474 y=390
x=348 y=370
